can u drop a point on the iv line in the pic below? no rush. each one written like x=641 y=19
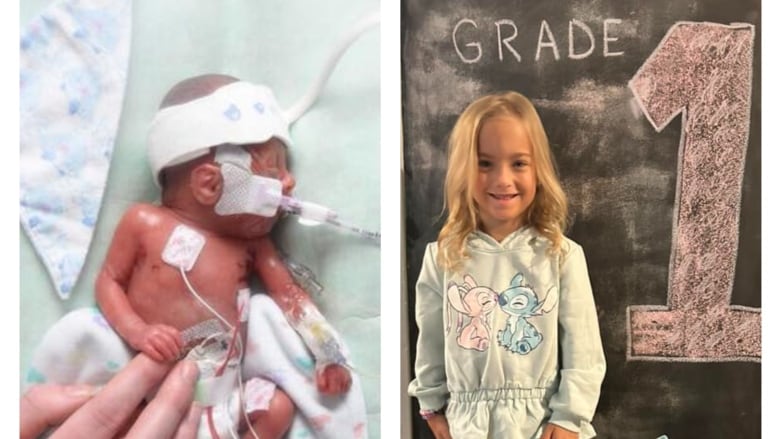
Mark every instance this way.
x=202 y=300
x=240 y=351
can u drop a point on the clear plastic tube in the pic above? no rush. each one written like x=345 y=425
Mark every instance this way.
x=316 y=213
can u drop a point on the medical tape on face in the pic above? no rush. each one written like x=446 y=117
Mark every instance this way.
x=319 y=336
x=242 y=191
x=238 y=113
x=235 y=155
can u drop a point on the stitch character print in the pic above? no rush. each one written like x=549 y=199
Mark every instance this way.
x=475 y=302
x=521 y=302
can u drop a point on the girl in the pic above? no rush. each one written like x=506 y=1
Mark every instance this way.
x=502 y=291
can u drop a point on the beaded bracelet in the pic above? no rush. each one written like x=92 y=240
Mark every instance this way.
x=428 y=414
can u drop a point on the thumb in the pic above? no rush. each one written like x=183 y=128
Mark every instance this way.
x=47 y=405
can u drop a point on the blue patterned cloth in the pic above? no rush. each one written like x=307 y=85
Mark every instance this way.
x=73 y=70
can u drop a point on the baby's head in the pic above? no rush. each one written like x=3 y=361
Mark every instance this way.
x=183 y=92
x=202 y=117
x=500 y=172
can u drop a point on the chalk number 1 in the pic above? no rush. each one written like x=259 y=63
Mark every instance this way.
x=704 y=71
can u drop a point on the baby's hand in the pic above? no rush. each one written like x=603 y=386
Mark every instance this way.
x=333 y=379
x=160 y=342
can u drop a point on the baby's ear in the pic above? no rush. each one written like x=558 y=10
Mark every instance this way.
x=206 y=183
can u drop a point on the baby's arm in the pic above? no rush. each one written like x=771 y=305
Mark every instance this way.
x=303 y=315
x=160 y=342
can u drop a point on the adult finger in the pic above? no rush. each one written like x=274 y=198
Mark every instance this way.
x=46 y=405
x=163 y=415
x=103 y=415
x=188 y=429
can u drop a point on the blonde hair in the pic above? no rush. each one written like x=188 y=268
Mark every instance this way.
x=547 y=213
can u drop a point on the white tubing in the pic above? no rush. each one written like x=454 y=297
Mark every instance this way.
x=302 y=105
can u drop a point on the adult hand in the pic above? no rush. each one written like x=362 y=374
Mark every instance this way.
x=552 y=431
x=439 y=426
x=81 y=411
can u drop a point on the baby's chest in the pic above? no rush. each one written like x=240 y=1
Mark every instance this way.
x=201 y=256
x=223 y=261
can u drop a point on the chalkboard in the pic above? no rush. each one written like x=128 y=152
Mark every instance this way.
x=653 y=113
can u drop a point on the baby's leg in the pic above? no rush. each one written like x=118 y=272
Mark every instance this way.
x=274 y=422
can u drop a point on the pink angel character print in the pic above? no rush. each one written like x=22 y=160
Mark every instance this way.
x=474 y=302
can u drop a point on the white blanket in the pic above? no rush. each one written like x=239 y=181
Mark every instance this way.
x=82 y=348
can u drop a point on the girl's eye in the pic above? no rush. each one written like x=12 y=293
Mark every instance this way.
x=519 y=164
x=483 y=164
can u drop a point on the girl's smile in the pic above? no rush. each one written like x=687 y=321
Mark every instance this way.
x=503 y=196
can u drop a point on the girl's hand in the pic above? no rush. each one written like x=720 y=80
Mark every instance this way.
x=552 y=431
x=439 y=426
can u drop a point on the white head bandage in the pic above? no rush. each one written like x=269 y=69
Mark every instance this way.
x=238 y=113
